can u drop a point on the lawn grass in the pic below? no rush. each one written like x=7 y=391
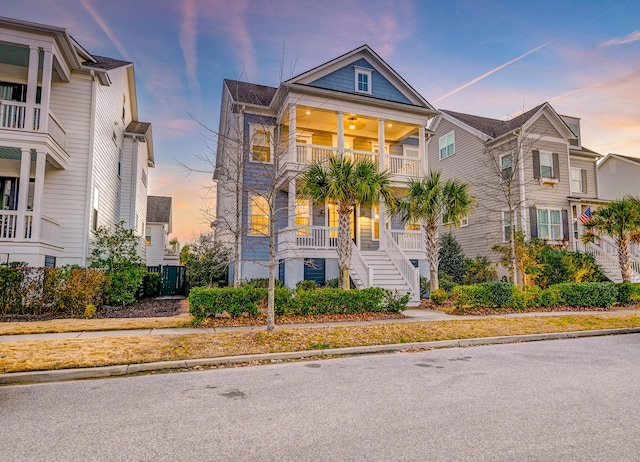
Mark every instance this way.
x=33 y=355
x=88 y=325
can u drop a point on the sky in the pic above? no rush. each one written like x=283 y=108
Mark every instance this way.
x=488 y=58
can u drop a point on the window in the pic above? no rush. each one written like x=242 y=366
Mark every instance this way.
x=506 y=166
x=259 y=218
x=332 y=209
x=363 y=80
x=506 y=226
x=464 y=222
x=578 y=180
x=49 y=261
x=261 y=143
x=119 y=162
x=374 y=147
x=8 y=193
x=546 y=165
x=549 y=224
x=94 y=209
x=410 y=151
x=576 y=131
x=375 y=222
x=147 y=236
x=303 y=216
x=447 y=145
x=144 y=177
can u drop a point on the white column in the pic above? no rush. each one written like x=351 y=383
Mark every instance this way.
x=292 y=203
x=382 y=155
x=424 y=161
x=23 y=193
x=340 y=133
x=45 y=93
x=38 y=194
x=382 y=243
x=292 y=134
x=32 y=84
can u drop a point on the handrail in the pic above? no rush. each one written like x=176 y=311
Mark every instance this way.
x=359 y=264
x=409 y=272
x=408 y=240
x=608 y=246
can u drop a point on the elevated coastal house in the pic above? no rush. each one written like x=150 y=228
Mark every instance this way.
x=73 y=154
x=355 y=105
x=157 y=230
x=553 y=177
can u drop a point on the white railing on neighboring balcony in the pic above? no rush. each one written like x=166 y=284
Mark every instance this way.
x=313 y=153
x=316 y=237
x=56 y=132
x=399 y=165
x=364 y=273
x=408 y=240
x=410 y=273
x=12 y=114
x=8 y=224
x=356 y=155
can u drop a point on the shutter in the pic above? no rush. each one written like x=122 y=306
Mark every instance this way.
x=565 y=225
x=556 y=166
x=533 y=219
x=536 y=164
x=584 y=180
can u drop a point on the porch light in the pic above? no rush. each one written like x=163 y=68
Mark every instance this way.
x=308 y=113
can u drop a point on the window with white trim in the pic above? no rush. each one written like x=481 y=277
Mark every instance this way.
x=261 y=143
x=463 y=223
x=410 y=151
x=375 y=223
x=363 y=79
x=303 y=216
x=546 y=165
x=375 y=144
x=506 y=226
x=259 y=216
x=94 y=209
x=506 y=166
x=549 y=224
x=577 y=180
x=447 y=145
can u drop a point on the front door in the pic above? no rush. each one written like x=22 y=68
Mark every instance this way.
x=332 y=212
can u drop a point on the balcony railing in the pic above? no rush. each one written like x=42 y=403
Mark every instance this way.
x=49 y=228
x=399 y=165
x=8 y=224
x=308 y=237
x=12 y=114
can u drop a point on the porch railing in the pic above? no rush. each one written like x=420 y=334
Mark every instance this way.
x=399 y=165
x=410 y=273
x=364 y=272
x=8 y=224
x=313 y=153
x=408 y=240
x=12 y=114
x=49 y=228
x=308 y=237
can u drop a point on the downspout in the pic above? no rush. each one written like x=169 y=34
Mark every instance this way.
x=89 y=190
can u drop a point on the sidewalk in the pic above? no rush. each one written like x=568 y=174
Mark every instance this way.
x=412 y=315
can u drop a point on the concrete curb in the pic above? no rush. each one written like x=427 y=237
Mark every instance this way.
x=23 y=378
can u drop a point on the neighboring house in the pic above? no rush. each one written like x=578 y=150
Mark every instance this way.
x=619 y=176
x=355 y=105
x=73 y=155
x=158 y=228
x=553 y=184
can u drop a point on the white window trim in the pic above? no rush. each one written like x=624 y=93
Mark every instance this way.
x=463 y=223
x=502 y=178
x=261 y=127
x=374 y=147
x=309 y=216
x=549 y=210
x=250 y=231
x=373 y=223
x=581 y=190
x=346 y=139
x=503 y=224
x=409 y=147
x=553 y=174
x=368 y=72
x=453 y=142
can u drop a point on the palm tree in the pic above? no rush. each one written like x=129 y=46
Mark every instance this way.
x=347 y=183
x=619 y=219
x=433 y=202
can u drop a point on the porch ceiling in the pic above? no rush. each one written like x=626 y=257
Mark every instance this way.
x=15 y=55
x=14 y=153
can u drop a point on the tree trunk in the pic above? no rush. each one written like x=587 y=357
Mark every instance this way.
x=431 y=232
x=344 y=245
x=624 y=259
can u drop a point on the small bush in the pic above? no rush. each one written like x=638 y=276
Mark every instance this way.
x=628 y=293
x=479 y=270
x=306 y=284
x=587 y=294
x=424 y=287
x=90 y=311
x=396 y=303
x=447 y=285
x=208 y=302
x=494 y=294
x=261 y=283
x=151 y=284
x=438 y=296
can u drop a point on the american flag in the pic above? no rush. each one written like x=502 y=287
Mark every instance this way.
x=586 y=215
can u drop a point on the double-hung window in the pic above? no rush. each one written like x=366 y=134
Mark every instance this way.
x=546 y=165
x=506 y=166
x=261 y=143
x=578 y=180
x=447 y=145
x=549 y=224
x=363 y=80
x=259 y=216
x=506 y=226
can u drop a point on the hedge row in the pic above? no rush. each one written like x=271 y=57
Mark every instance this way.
x=498 y=294
x=237 y=301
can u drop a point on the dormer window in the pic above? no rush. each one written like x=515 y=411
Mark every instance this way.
x=363 y=80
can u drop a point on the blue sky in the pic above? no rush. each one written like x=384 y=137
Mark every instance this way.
x=490 y=58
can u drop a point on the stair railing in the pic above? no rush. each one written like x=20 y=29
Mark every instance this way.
x=410 y=273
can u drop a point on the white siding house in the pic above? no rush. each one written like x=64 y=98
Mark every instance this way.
x=158 y=228
x=73 y=155
x=619 y=176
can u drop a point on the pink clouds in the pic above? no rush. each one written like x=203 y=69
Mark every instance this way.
x=632 y=37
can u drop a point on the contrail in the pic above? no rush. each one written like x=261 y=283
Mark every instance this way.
x=87 y=6
x=492 y=71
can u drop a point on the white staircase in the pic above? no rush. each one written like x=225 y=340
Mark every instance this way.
x=606 y=255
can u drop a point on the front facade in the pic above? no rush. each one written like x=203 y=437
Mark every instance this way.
x=355 y=106
x=159 y=251
x=73 y=155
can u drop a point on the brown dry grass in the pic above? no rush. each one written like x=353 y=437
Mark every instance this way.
x=89 y=352
x=87 y=325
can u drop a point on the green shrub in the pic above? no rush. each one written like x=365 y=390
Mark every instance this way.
x=424 y=287
x=151 y=284
x=394 y=302
x=452 y=261
x=261 y=283
x=208 y=302
x=333 y=283
x=10 y=295
x=587 y=294
x=628 y=293
x=306 y=284
x=438 y=296
x=479 y=270
x=494 y=294
x=82 y=287
x=447 y=285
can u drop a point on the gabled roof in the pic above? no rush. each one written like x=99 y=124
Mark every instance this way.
x=494 y=127
x=138 y=128
x=250 y=93
x=159 y=209
x=142 y=131
x=372 y=58
x=632 y=160
x=103 y=62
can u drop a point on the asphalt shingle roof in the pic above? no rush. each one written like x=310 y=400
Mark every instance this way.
x=493 y=127
x=138 y=128
x=158 y=209
x=250 y=93
x=106 y=63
